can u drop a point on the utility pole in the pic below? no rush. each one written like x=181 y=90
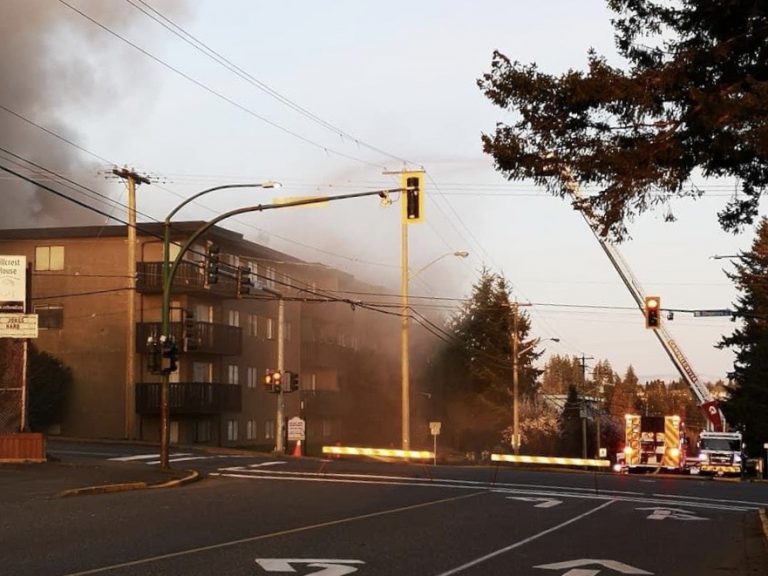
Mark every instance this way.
x=583 y=407
x=132 y=179
x=280 y=443
x=515 y=383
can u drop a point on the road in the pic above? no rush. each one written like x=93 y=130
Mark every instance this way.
x=260 y=515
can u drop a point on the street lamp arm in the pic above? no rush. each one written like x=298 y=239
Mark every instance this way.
x=268 y=184
x=459 y=254
x=258 y=208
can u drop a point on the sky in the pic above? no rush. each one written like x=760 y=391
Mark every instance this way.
x=331 y=98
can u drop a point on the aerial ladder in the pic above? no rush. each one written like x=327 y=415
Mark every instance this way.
x=703 y=396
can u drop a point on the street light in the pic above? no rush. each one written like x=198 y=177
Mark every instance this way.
x=404 y=354
x=516 y=353
x=169 y=270
x=168 y=274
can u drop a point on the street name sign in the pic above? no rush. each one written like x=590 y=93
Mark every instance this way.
x=707 y=313
x=18 y=325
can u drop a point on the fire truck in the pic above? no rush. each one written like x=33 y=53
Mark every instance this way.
x=653 y=443
x=720 y=454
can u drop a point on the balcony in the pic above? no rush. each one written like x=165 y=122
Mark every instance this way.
x=190 y=278
x=208 y=338
x=189 y=398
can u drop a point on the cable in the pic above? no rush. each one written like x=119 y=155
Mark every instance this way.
x=219 y=95
x=199 y=45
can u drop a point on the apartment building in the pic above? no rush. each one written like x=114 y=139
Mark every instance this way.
x=97 y=317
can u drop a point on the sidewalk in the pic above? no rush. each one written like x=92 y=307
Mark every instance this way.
x=72 y=477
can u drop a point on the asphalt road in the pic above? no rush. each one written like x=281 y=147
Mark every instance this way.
x=254 y=515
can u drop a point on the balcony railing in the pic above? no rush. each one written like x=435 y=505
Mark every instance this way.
x=206 y=338
x=190 y=278
x=189 y=398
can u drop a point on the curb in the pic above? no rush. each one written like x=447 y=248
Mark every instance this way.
x=192 y=476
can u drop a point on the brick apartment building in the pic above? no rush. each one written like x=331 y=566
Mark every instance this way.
x=96 y=319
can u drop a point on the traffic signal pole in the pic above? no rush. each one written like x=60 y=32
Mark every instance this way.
x=280 y=418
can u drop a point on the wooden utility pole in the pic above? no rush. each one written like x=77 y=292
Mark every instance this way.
x=131 y=179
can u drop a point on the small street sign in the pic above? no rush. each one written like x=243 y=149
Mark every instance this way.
x=296 y=429
x=18 y=325
x=434 y=428
x=706 y=313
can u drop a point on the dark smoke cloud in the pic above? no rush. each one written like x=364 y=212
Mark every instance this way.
x=53 y=61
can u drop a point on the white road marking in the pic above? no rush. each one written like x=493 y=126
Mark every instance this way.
x=671 y=513
x=524 y=541
x=614 y=565
x=542 y=502
x=267 y=536
x=329 y=567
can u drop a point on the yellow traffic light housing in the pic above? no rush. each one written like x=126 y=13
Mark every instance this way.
x=652 y=312
x=412 y=184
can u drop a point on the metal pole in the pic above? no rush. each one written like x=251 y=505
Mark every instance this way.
x=515 y=383
x=280 y=446
x=434 y=449
x=130 y=360
x=404 y=359
x=165 y=430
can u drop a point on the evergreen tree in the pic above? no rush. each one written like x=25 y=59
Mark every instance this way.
x=48 y=381
x=571 y=425
x=476 y=368
x=695 y=97
x=624 y=398
x=747 y=406
x=560 y=372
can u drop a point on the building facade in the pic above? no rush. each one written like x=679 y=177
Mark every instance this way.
x=97 y=318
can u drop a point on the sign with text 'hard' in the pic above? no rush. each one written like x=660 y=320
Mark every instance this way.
x=13 y=284
x=18 y=325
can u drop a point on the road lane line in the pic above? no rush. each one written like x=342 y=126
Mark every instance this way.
x=287 y=532
x=506 y=549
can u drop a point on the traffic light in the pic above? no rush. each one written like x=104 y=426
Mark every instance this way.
x=170 y=357
x=191 y=338
x=244 y=281
x=292 y=380
x=652 y=312
x=212 y=264
x=413 y=207
x=154 y=355
x=272 y=379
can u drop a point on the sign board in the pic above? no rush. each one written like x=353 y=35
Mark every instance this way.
x=603 y=452
x=296 y=429
x=18 y=325
x=765 y=445
x=707 y=313
x=434 y=428
x=13 y=284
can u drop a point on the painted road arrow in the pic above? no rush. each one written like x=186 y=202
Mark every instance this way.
x=672 y=514
x=614 y=565
x=543 y=502
x=328 y=567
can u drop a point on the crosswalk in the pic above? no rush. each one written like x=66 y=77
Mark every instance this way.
x=153 y=459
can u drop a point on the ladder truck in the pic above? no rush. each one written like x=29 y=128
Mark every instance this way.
x=720 y=452
x=703 y=397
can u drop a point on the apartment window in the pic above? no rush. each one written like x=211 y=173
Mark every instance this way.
x=269 y=329
x=287 y=331
x=203 y=431
x=201 y=372
x=327 y=428
x=234 y=318
x=250 y=430
x=233 y=374
x=49 y=316
x=49 y=258
x=253 y=325
x=253 y=377
x=232 y=432
x=271 y=275
x=269 y=429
